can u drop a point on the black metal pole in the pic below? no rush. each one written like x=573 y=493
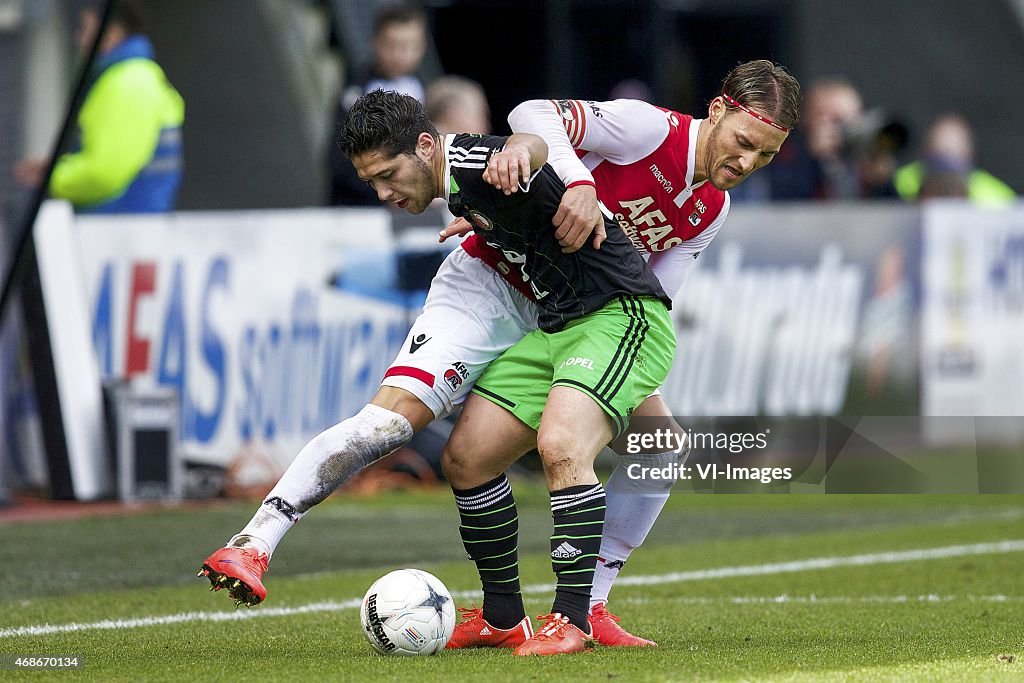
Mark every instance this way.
x=24 y=272
x=24 y=250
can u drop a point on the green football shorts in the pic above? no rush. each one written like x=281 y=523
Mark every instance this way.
x=618 y=355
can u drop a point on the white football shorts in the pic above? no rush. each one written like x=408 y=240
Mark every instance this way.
x=470 y=317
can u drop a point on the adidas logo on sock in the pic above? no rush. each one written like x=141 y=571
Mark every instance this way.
x=485 y=631
x=565 y=551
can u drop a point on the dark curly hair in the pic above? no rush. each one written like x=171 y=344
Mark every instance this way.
x=384 y=120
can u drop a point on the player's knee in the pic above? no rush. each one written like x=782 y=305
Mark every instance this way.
x=553 y=449
x=405 y=404
x=455 y=465
x=560 y=456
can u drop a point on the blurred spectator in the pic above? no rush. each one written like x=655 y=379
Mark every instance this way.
x=399 y=45
x=458 y=105
x=838 y=152
x=943 y=183
x=886 y=344
x=127 y=154
x=874 y=143
x=831 y=108
x=946 y=167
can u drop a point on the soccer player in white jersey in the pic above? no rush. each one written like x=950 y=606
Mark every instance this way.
x=478 y=306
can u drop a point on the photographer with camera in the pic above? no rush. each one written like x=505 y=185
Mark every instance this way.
x=840 y=150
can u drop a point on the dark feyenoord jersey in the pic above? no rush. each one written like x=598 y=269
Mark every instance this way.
x=565 y=286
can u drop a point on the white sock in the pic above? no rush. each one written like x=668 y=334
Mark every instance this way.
x=633 y=505
x=325 y=463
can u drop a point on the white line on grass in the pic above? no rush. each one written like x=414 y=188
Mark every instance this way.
x=826 y=563
x=649 y=580
x=813 y=599
x=184 y=617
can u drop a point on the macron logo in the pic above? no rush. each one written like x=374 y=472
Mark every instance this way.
x=660 y=177
x=416 y=342
x=565 y=552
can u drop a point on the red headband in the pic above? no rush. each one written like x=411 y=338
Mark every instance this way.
x=759 y=117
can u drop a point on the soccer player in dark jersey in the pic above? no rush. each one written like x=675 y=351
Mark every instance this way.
x=605 y=343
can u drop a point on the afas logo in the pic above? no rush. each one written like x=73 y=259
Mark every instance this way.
x=160 y=325
x=643 y=216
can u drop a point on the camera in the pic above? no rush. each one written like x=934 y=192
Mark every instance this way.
x=876 y=131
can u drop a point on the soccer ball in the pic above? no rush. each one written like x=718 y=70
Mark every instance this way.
x=408 y=612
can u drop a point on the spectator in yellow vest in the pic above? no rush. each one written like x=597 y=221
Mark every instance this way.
x=127 y=153
x=946 y=168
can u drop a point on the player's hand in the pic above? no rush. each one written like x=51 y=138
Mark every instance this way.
x=578 y=217
x=506 y=168
x=458 y=227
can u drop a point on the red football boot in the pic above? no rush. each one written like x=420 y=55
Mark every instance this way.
x=474 y=631
x=556 y=637
x=240 y=571
x=605 y=627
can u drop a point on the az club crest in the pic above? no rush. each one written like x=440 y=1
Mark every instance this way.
x=454 y=375
x=479 y=220
x=452 y=379
x=565 y=109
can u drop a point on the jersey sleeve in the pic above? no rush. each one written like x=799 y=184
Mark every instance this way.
x=621 y=131
x=673 y=265
x=542 y=118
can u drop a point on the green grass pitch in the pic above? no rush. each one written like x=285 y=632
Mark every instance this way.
x=724 y=584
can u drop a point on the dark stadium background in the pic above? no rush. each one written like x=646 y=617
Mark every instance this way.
x=914 y=58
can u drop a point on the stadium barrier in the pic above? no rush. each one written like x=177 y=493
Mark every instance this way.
x=795 y=311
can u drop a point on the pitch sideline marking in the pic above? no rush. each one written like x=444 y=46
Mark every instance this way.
x=812 y=599
x=826 y=563
x=892 y=557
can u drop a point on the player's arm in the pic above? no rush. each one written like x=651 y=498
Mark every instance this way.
x=578 y=214
x=622 y=131
x=541 y=117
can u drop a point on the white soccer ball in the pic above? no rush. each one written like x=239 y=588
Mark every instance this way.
x=408 y=612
